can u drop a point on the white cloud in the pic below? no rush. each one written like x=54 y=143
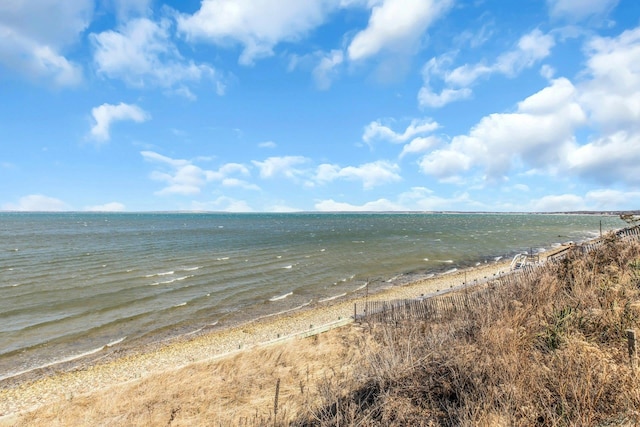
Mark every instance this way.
x=106 y=114
x=37 y=202
x=559 y=203
x=107 y=207
x=428 y=98
x=611 y=95
x=142 y=54
x=127 y=9
x=608 y=160
x=257 y=25
x=578 y=10
x=379 y=205
x=420 y=145
x=371 y=174
x=531 y=48
x=613 y=92
x=34 y=34
x=538 y=134
x=377 y=131
x=415 y=199
x=182 y=177
x=281 y=166
x=239 y=183
x=326 y=70
x=396 y=25
x=222 y=204
x=608 y=199
x=445 y=163
x=267 y=144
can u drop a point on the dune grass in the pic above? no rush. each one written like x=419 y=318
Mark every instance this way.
x=550 y=350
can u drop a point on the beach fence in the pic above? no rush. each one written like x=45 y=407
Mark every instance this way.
x=460 y=301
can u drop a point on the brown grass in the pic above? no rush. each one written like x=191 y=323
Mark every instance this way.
x=237 y=390
x=549 y=350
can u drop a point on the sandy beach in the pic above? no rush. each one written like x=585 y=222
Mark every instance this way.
x=48 y=387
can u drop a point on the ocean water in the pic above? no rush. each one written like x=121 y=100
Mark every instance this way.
x=71 y=283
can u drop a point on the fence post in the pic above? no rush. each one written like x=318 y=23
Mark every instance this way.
x=275 y=403
x=631 y=343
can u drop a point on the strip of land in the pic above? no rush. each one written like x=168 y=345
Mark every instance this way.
x=45 y=388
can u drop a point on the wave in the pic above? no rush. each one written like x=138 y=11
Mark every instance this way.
x=224 y=258
x=498 y=258
x=453 y=270
x=360 y=287
x=446 y=261
x=166 y=273
x=284 y=311
x=166 y=282
x=425 y=259
x=191 y=268
x=64 y=359
x=182 y=304
x=332 y=298
x=288 y=267
x=277 y=298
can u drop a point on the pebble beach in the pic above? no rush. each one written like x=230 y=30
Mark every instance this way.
x=40 y=388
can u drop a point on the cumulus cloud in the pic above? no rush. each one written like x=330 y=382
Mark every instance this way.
x=578 y=10
x=559 y=203
x=396 y=25
x=34 y=35
x=257 y=25
x=530 y=49
x=142 y=54
x=325 y=72
x=107 y=207
x=106 y=114
x=612 y=93
x=607 y=160
x=223 y=204
x=377 y=131
x=281 y=166
x=36 y=203
x=380 y=205
x=127 y=9
x=267 y=144
x=371 y=174
x=420 y=145
x=537 y=135
x=182 y=177
x=415 y=199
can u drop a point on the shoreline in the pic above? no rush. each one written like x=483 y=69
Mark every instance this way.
x=35 y=389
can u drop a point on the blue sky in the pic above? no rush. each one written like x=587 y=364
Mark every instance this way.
x=320 y=105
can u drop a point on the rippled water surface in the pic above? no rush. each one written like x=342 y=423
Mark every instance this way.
x=71 y=283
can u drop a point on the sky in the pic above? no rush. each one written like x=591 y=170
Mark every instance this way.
x=319 y=105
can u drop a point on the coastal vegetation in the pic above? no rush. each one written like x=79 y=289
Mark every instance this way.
x=551 y=349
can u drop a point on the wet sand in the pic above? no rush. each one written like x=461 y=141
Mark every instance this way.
x=21 y=395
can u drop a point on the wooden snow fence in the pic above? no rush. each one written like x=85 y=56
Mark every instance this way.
x=461 y=301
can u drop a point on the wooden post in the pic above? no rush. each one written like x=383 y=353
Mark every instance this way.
x=275 y=403
x=631 y=343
